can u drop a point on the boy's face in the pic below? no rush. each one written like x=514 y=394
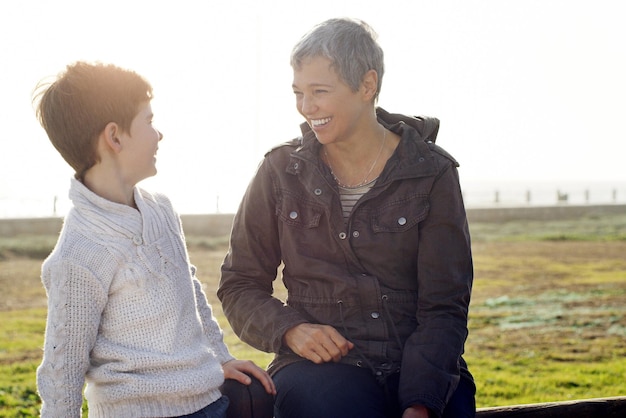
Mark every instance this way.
x=140 y=146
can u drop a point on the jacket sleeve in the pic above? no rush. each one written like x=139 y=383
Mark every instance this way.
x=432 y=355
x=251 y=265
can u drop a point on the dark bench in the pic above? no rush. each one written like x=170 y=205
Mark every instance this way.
x=614 y=407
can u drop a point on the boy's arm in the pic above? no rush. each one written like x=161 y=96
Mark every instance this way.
x=75 y=303
x=211 y=328
x=240 y=370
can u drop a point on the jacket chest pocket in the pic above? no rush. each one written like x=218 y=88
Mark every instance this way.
x=399 y=216
x=297 y=213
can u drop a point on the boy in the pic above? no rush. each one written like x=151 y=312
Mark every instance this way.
x=126 y=313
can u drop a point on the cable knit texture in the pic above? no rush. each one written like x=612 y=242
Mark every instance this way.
x=126 y=315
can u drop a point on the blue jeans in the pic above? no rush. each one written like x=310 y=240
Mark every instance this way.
x=308 y=390
x=215 y=410
x=239 y=401
x=248 y=401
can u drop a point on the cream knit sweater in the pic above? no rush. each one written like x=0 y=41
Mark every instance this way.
x=126 y=315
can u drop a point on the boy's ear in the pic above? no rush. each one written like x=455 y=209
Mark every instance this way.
x=369 y=85
x=111 y=137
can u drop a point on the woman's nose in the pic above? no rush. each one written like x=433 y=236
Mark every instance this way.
x=307 y=106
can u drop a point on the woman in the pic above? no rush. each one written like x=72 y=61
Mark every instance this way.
x=366 y=215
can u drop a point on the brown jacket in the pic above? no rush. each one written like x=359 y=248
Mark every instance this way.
x=395 y=279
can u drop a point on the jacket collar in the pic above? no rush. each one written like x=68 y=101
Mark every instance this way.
x=427 y=127
x=412 y=158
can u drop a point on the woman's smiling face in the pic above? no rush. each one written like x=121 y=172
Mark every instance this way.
x=329 y=105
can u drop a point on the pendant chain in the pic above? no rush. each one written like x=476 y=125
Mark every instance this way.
x=364 y=181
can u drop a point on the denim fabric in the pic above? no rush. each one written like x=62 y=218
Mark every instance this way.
x=329 y=390
x=215 y=410
x=248 y=401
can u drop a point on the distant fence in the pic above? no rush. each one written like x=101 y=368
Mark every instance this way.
x=220 y=224
x=538 y=194
x=476 y=194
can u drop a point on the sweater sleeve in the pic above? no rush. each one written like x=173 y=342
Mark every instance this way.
x=75 y=302
x=210 y=326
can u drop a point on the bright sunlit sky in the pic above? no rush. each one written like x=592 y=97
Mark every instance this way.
x=526 y=90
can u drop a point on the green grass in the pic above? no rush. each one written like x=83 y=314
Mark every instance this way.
x=547 y=319
x=21 y=339
x=556 y=345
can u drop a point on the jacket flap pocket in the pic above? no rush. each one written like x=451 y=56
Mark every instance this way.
x=299 y=213
x=401 y=215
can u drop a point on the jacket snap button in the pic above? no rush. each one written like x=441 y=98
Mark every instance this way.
x=317 y=192
x=342 y=235
x=137 y=240
x=295 y=166
x=293 y=215
x=355 y=234
x=375 y=315
x=402 y=221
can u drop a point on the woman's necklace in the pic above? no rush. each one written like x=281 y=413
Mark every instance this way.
x=364 y=181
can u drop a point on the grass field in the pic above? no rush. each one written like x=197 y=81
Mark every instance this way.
x=547 y=319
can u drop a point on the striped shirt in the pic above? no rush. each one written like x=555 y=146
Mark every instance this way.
x=350 y=195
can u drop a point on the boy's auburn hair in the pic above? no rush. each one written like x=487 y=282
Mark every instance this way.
x=76 y=107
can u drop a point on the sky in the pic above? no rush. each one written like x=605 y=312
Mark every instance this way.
x=527 y=91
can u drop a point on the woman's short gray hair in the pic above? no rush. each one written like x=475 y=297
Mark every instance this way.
x=349 y=44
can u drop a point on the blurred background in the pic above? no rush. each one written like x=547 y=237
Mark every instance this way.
x=530 y=94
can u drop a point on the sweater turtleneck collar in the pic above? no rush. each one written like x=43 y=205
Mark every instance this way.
x=104 y=215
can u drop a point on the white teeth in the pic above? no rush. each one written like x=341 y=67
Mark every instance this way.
x=318 y=122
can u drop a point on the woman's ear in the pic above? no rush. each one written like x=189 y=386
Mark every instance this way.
x=111 y=137
x=369 y=85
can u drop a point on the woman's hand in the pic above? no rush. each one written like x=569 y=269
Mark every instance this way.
x=240 y=369
x=416 y=411
x=318 y=343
